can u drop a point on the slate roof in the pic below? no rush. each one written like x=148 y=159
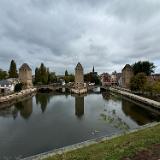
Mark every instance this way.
x=25 y=66
x=127 y=66
x=79 y=66
x=5 y=82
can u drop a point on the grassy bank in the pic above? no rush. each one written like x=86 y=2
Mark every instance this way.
x=116 y=148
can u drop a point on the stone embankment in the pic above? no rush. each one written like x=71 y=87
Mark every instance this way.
x=143 y=100
x=15 y=97
x=79 y=91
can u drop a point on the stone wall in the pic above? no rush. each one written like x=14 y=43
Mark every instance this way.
x=127 y=74
x=25 y=77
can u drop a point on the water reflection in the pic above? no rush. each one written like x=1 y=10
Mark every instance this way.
x=43 y=100
x=139 y=114
x=79 y=106
x=25 y=108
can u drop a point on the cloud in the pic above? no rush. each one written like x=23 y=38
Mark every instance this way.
x=106 y=34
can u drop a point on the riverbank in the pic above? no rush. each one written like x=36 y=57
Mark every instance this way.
x=110 y=148
x=117 y=148
x=10 y=99
x=143 y=100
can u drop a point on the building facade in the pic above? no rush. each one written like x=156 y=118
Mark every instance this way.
x=7 y=86
x=105 y=79
x=127 y=74
x=25 y=76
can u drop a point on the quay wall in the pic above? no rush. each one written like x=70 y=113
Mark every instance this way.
x=9 y=99
x=143 y=100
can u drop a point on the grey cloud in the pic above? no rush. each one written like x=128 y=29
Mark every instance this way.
x=103 y=33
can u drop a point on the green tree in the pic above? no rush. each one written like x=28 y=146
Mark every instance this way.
x=44 y=76
x=156 y=87
x=143 y=67
x=66 y=73
x=13 y=70
x=138 y=82
x=52 y=77
x=18 y=87
x=3 y=74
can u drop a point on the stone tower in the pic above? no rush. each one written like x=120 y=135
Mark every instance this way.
x=127 y=74
x=25 y=76
x=79 y=77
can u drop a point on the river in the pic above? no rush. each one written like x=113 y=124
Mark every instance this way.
x=48 y=121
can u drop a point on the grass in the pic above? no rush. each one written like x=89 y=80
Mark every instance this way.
x=115 y=149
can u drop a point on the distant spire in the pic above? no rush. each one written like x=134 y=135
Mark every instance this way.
x=93 y=69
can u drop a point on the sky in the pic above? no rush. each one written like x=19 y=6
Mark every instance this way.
x=60 y=33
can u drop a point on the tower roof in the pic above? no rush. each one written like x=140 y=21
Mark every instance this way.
x=79 y=66
x=127 y=66
x=25 y=66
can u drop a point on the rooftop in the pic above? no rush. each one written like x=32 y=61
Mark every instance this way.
x=25 y=67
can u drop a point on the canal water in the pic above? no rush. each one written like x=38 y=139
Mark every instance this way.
x=48 y=121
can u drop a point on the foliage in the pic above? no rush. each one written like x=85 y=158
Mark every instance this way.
x=90 y=77
x=143 y=66
x=66 y=73
x=43 y=76
x=116 y=148
x=156 y=87
x=18 y=87
x=13 y=70
x=69 y=78
x=3 y=74
x=52 y=77
x=138 y=82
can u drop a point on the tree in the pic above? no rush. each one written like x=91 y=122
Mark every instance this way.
x=52 y=77
x=143 y=66
x=138 y=82
x=156 y=87
x=18 y=87
x=66 y=73
x=44 y=76
x=3 y=74
x=13 y=70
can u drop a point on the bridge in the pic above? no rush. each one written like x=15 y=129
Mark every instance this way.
x=58 y=86
x=52 y=87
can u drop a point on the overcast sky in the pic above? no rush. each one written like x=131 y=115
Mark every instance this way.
x=104 y=33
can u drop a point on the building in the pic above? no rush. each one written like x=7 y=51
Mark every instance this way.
x=105 y=79
x=79 y=77
x=25 y=76
x=127 y=74
x=79 y=85
x=114 y=78
x=7 y=86
x=95 y=74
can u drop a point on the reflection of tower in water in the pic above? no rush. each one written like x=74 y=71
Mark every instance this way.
x=25 y=108
x=79 y=106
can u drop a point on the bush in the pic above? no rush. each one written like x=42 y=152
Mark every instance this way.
x=138 y=82
x=18 y=87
